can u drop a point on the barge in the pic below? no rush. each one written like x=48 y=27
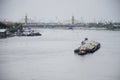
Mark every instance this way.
x=88 y=47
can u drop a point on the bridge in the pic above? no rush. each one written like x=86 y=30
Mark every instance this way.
x=27 y=22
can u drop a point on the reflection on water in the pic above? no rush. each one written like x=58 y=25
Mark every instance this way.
x=51 y=56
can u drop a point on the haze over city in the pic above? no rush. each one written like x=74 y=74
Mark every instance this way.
x=60 y=10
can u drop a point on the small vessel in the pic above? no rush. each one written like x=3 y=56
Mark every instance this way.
x=31 y=33
x=87 y=47
x=28 y=32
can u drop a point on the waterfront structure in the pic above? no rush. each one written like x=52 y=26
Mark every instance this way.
x=3 y=33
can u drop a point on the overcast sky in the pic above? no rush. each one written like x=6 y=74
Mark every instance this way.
x=59 y=10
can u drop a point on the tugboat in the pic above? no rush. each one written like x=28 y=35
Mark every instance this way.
x=87 y=47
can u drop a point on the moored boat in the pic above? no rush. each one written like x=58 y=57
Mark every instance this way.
x=28 y=32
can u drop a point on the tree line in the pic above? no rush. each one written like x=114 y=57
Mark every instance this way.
x=11 y=27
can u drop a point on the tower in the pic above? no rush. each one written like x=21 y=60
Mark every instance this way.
x=26 y=20
x=73 y=19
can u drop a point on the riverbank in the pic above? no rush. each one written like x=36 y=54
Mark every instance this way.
x=76 y=28
x=21 y=33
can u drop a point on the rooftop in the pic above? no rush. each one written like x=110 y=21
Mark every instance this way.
x=2 y=30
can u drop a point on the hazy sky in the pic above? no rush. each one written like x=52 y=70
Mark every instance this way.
x=59 y=10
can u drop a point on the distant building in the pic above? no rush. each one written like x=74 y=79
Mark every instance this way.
x=3 y=33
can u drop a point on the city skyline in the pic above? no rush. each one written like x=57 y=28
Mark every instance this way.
x=60 y=10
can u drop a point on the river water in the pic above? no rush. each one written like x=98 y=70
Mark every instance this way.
x=51 y=56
